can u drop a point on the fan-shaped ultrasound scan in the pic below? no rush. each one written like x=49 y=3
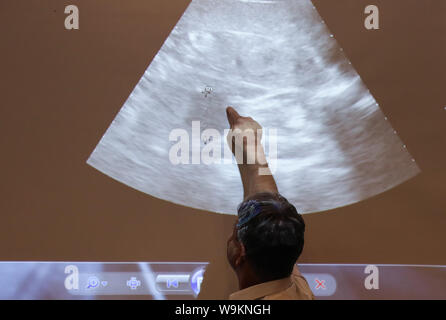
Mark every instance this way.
x=277 y=62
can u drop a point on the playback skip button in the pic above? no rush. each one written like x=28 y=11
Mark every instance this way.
x=172 y=282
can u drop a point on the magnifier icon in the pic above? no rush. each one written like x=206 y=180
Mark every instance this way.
x=92 y=282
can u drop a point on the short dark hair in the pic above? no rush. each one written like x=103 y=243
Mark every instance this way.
x=272 y=232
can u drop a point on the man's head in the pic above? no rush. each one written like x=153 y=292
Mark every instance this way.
x=267 y=238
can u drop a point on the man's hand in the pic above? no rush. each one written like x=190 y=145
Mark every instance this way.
x=244 y=141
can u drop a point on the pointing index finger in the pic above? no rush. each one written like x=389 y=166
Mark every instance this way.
x=232 y=115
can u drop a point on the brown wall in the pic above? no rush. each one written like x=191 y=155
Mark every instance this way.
x=61 y=89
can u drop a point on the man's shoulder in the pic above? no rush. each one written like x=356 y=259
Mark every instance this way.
x=301 y=284
x=297 y=291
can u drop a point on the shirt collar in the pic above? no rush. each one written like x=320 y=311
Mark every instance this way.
x=261 y=290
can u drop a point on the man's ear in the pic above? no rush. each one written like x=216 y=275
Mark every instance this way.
x=242 y=256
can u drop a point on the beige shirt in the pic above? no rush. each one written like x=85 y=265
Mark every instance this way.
x=294 y=287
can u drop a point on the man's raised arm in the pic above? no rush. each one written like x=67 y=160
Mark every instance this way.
x=244 y=140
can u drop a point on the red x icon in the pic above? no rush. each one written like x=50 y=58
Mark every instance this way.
x=320 y=284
